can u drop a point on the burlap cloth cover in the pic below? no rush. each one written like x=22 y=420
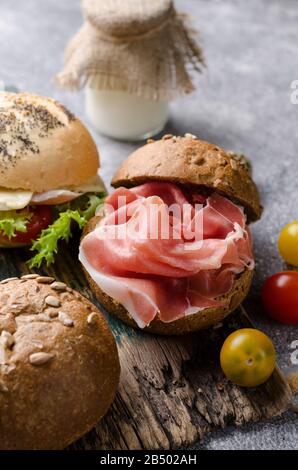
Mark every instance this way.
x=140 y=46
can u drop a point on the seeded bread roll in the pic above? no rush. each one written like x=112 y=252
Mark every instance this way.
x=59 y=366
x=193 y=162
x=196 y=321
x=42 y=145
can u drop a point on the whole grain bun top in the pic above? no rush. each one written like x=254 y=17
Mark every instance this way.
x=190 y=161
x=42 y=145
x=59 y=366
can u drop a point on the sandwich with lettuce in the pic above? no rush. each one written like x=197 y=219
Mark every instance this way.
x=49 y=181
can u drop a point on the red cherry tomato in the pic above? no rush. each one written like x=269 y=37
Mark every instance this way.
x=42 y=217
x=280 y=297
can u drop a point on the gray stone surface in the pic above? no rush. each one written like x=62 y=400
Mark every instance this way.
x=242 y=103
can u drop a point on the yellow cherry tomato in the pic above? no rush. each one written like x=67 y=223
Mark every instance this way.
x=288 y=243
x=247 y=357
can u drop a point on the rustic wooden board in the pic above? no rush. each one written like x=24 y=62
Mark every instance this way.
x=171 y=391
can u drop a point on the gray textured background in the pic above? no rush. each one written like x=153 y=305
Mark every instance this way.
x=242 y=103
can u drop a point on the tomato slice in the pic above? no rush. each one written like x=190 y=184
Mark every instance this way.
x=42 y=217
x=280 y=297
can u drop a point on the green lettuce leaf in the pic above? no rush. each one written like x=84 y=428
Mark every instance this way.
x=13 y=221
x=80 y=210
x=85 y=205
x=47 y=243
x=92 y=203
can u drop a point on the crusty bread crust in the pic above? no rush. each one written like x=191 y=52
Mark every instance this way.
x=192 y=162
x=42 y=145
x=49 y=405
x=187 y=324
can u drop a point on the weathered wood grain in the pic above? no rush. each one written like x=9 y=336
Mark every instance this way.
x=172 y=390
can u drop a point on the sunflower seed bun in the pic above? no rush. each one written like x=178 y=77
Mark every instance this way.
x=190 y=161
x=42 y=145
x=187 y=324
x=59 y=366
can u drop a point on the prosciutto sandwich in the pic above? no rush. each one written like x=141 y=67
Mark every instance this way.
x=48 y=174
x=171 y=251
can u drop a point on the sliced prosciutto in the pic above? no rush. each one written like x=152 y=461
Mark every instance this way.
x=167 y=252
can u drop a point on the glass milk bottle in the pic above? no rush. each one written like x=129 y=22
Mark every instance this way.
x=132 y=58
x=123 y=115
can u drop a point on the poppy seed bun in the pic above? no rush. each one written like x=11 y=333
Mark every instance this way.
x=59 y=366
x=196 y=321
x=42 y=145
x=190 y=161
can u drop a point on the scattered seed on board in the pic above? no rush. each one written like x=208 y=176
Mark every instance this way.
x=59 y=286
x=52 y=301
x=45 y=279
x=65 y=319
x=3 y=388
x=30 y=276
x=7 y=339
x=92 y=318
x=40 y=358
x=4 y=281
